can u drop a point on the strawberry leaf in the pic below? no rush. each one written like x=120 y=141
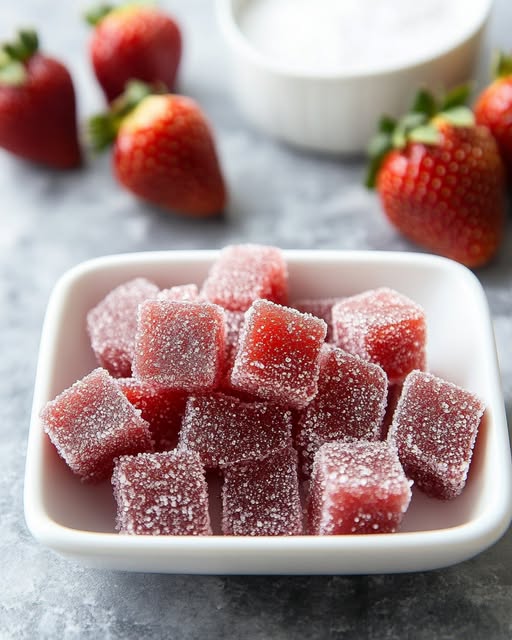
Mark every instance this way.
x=425 y=103
x=457 y=97
x=426 y=134
x=386 y=124
x=13 y=74
x=459 y=116
x=95 y=15
x=379 y=146
x=502 y=65
x=23 y=47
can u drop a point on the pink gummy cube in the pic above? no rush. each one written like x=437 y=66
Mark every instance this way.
x=350 y=403
x=278 y=354
x=162 y=409
x=384 y=327
x=180 y=293
x=357 y=487
x=225 y=430
x=161 y=494
x=321 y=308
x=179 y=345
x=92 y=422
x=112 y=324
x=244 y=273
x=434 y=428
x=262 y=498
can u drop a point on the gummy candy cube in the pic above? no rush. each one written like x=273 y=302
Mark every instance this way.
x=92 y=422
x=357 y=487
x=350 y=403
x=278 y=354
x=162 y=409
x=244 y=273
x=262 y=498
x=321 y=308
x=385 y=327
x=225 y=430
x=179 y=345
x=112 y=324
x=161 y=494
x=180 y=292
x=434 y=428
x=234 y=321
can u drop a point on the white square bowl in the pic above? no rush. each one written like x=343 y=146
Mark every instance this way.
x=77 y=520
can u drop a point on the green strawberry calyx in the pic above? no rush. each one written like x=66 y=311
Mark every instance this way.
x=419 y=125
x=14 y=55
x=96 y=14
x=502 y=65
x=103 y=128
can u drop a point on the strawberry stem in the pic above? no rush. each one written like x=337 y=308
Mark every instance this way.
x=14 y=55
x=103 y=128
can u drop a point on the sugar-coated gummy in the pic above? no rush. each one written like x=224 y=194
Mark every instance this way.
x=350 y=403
x=319 y=307
x=357 y=488
x=92 y=422
x=180 y=344
x=161 y=494
x=278 y=354
x=384 y=327
x=243 y=273
x=262 y=498
x=112 y=324
x=225 y=430
x=434 y=428
x=162 y=409
x=234 y=321
x=180 y=292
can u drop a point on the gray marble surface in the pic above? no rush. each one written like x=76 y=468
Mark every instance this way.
x=50 y=221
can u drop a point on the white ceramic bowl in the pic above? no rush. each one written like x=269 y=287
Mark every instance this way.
x=338 y=113
x=77 y=520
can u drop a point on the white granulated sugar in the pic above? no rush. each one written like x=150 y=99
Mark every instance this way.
x=350 y=36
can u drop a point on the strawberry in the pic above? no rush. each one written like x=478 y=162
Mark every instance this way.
x=133 y=42
x=164 y=151
x=440 y=179
x=493 y=108
x=37 y=105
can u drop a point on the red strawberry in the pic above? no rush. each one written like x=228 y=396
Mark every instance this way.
x=440 y=179
x=164 y=151
x=493 y=108
x=37 y=105
x=133 y=42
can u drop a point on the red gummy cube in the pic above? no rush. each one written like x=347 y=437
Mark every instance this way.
x=321 y=308
x=384 y=327
x=180 y=293
x=113 y=322
x=225 y=430
x=350 y=403
x=262 y=498
x=357 y=487
x=92 y=422
x=161 y=494
x=434 y=429
x=234 y=322
x=244 y=273
x=179 y=345
x=278 y=354
x=162 y=409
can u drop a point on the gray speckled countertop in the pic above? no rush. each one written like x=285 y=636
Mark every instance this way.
x=50 y=221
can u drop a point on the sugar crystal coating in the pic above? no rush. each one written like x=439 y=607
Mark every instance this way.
x=234 y=321
x=179 y=345
x=262 y=498
x=92 y=422
x=180 y=292
x=278 y=354
x=162 y=409
x=319 y=307
x=357 y=488
x=244 y=273
x=161 y=494
x=225 y=430
x=350 y=403
x=434 y=428
x=384 y=327
x=112 y=324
